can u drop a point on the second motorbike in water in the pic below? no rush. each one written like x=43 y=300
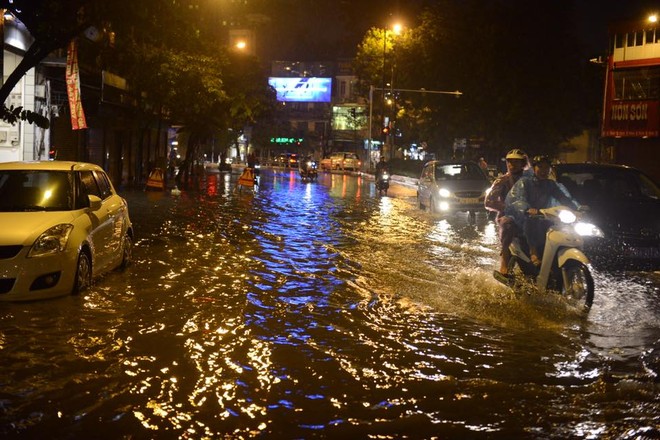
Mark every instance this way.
x=564 y=267
x=308 y=169
x=383 y=183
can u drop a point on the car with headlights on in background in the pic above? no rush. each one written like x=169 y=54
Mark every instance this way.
x=450 y=187
x=624 y=204
x=61 y=225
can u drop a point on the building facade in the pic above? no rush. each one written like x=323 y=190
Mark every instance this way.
x=631 y=105
x=21 y=141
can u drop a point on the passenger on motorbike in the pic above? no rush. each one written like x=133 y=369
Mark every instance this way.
x=516 y=163
x=530 y=194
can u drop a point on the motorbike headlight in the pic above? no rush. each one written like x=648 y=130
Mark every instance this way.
x=386 y=176
x=566 y=216
x=588 y=230
x=52 y=241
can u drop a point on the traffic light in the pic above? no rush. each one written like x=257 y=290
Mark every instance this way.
x=386 y=130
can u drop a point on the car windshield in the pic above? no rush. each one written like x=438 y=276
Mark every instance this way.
x=611 y=184
x=464 y=171
x=35 y=190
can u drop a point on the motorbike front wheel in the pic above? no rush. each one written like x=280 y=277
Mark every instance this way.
x=578 y=284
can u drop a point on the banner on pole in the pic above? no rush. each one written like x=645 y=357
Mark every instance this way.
x=73 y=87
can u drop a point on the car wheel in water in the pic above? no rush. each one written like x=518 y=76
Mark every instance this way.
x=83 y=277
x=578 y=284
x=127 y=251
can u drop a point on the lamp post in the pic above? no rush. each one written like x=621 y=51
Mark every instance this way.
x=387 y=144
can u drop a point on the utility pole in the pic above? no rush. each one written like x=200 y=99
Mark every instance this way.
x=371 y=101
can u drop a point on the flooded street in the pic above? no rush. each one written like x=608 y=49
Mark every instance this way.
x=320 y=310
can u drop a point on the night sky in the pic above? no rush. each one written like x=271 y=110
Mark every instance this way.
x=593 y=17
x=325 y=30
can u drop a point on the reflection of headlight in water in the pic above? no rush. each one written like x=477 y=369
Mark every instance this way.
x=588 y=230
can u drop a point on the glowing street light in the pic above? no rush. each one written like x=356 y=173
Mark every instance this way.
x=241 y=45
x=653 y=18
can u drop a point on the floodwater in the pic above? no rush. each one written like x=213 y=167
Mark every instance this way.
x=320 y=310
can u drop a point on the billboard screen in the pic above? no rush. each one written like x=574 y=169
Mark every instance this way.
x=302 y=89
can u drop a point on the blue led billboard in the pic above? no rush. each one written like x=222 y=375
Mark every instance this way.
x=302 y=89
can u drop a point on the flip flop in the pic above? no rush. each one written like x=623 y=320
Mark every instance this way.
x=502 y=277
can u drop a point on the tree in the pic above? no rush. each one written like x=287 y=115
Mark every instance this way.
x=522 y=79
x=52 y=24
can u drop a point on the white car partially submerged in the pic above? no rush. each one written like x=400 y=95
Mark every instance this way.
x=61 y=225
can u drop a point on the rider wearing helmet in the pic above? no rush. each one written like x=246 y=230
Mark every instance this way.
x=516 y=162
x=528 y=196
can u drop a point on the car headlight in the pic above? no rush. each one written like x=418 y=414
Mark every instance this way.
x=444 y=192
x=52 y=241
x=588 y=230
x=566 y=216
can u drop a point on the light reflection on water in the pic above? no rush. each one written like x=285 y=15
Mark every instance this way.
x=321 y=309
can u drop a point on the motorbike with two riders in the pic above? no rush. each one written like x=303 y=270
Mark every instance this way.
x=564 y=267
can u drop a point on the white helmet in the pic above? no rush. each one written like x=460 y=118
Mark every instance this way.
x=516 y=154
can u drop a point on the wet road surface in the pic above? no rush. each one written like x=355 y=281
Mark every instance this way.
x=320 y=310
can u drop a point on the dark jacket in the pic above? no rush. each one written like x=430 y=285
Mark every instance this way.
x=532 y=192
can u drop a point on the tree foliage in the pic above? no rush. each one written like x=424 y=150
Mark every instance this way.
x=52 y=24
x=522 y=78
x=168 y=52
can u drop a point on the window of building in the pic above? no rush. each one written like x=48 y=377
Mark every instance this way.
x=630 y=39
x=650 y=36
x=342 y=89
x=636 y=84
x=639 y=38
x=618 y=40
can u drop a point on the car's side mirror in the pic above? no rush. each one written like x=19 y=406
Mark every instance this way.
x=95 y=202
